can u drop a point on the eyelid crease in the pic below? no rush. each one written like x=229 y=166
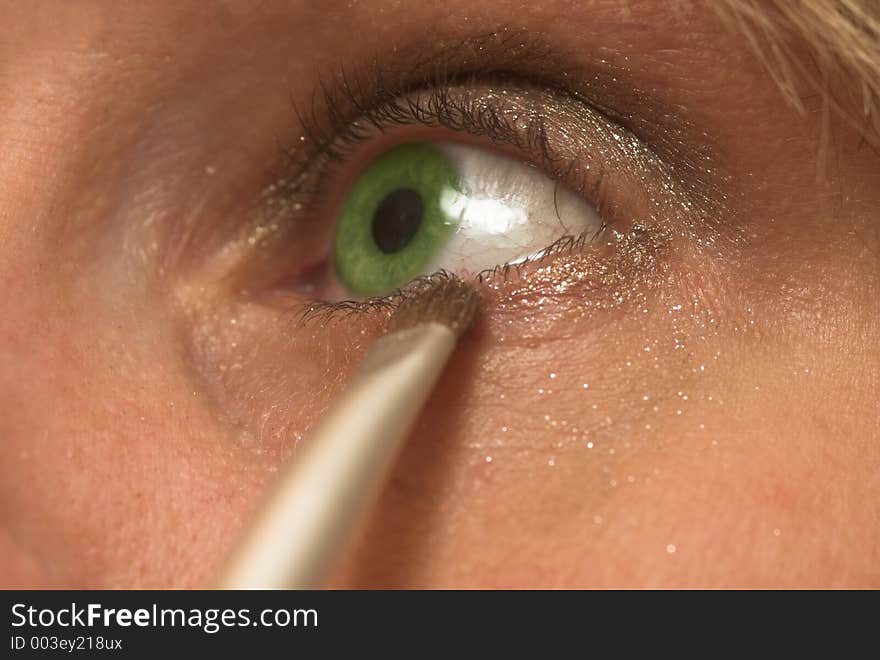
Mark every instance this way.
x=597 y=80
x=600 y=81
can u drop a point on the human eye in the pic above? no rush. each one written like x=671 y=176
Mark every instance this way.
x=422 y=207
x=464 y=175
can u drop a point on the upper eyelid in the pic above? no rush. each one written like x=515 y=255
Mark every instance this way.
x=518 y=55
x=422 y=60
x=430 y=103
x=328 y=121
x=595 y=79
x=348 y=113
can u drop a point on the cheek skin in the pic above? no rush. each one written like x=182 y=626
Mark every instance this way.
x=675 y=466
x=111 y=460
x=271 y=371
x=517 y=470
x=553 y=405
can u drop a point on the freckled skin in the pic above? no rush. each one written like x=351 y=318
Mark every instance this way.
x=152 y=379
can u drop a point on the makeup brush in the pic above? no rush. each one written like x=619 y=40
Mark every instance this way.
x=322 y=496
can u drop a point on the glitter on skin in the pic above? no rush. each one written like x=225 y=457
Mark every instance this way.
x=620 y=274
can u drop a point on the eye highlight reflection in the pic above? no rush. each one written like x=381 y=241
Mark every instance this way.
x=423 y=207
x=508 y=211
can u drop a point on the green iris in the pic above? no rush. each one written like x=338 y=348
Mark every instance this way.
x=393 y=223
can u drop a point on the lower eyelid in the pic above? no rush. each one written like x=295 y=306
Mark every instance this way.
x=577 y=277
x=270 y=361
x=583 y=278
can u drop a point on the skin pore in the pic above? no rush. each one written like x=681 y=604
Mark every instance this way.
x=692 y=401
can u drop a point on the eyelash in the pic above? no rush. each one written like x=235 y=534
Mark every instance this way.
x=348 y=115
x=326 y=311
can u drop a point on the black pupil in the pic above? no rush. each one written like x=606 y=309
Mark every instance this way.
x=397 y=219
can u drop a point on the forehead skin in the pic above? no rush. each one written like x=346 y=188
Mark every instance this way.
x=123 y=465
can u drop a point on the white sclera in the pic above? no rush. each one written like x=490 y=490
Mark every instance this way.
x=507 y=211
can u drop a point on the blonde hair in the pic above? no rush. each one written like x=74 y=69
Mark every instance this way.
x=842 y=42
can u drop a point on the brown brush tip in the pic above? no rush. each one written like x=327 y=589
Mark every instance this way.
x=441 y=298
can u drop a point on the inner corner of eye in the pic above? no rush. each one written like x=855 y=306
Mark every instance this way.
x=419 y=207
